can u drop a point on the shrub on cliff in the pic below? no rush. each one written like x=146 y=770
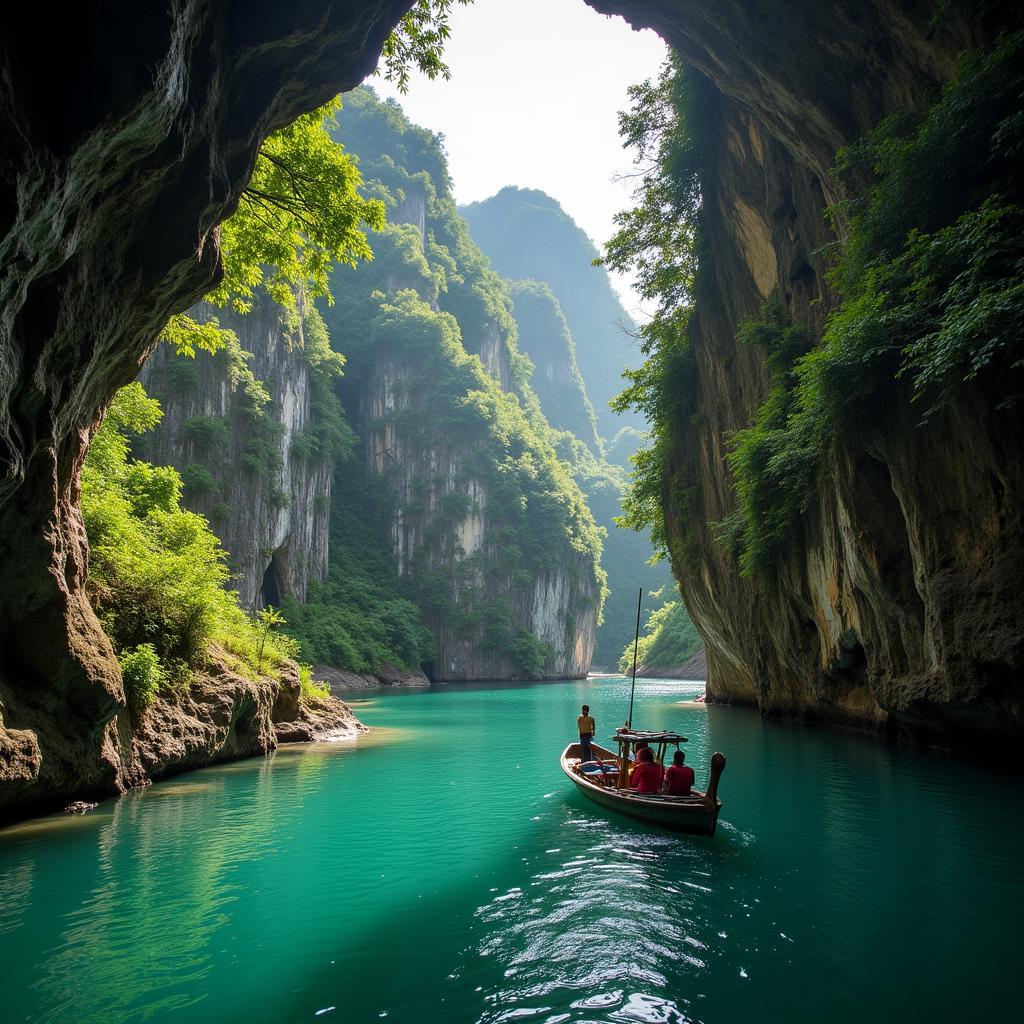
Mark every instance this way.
x=668 y=640
x=143 y=674
x=157 y=574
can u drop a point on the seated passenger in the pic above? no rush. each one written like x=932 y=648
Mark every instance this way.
x=679 y=777
x=647 y=774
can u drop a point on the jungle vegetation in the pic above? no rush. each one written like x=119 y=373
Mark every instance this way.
x=669 y=640
x=157 y=574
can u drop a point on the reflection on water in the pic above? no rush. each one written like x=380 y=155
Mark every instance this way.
x=442 y=868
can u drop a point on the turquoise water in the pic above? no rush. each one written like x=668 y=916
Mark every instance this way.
x=445 y=870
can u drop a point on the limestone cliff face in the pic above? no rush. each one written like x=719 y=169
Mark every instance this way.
x=446 y=527
x=899 y=604
x=266 y=497
x=461 y=517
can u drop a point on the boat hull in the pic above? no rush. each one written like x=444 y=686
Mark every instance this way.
x=695 y=816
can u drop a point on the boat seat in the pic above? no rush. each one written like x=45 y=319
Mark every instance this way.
x=595 y=771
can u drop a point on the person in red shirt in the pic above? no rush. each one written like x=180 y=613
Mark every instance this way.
x=679 y=777
x=648 y=774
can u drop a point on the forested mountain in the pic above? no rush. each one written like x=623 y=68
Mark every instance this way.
x=528 y=236
x=452 y=535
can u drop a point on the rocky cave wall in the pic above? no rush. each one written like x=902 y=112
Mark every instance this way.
x=898 y=606
x=127 y=132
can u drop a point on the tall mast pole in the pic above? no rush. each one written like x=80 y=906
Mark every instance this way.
x=636 y=643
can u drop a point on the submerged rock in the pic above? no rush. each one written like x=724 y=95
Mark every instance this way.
x=79 y=807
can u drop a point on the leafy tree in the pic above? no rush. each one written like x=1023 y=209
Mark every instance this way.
x=266 y=619
x=659 y=239
x=300 y=214
x=418 y=40
x=669 y=639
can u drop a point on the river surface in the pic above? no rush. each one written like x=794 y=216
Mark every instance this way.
x=444 y=869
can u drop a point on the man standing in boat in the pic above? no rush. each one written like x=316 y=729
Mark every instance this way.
x=587 y=728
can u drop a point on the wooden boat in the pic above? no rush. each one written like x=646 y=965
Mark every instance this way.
x=696 y=814
x=605 y=779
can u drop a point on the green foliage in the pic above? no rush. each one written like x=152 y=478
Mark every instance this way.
x=418 y=41
x=207 y=431
x=328 y=436
x=669 y=638
x=659 y=240
x=309 y=688
x=262 y=453
x=252 y=392
x=300 y=214
x=266 y=619
x=931 y=275
x=775 y=461
x=198 y=481
x=533 y=501
x=529 y=237
x=530 y=655
x=157 y=575
x=143 y=674
x=544 y=333
x=182 y=376
x=929 y=269
x=428 y=306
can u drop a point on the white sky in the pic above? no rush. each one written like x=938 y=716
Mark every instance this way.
x=535 y=89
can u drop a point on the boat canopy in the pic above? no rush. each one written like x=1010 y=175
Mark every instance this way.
x=639 y=736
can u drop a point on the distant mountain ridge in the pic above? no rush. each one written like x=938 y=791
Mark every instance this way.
x=528 y=236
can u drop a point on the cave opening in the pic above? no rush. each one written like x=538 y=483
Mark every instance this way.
x=272 y=589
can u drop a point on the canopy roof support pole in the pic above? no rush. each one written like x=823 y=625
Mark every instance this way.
x=636 y=643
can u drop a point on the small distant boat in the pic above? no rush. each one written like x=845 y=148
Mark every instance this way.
x=605 y=778
x=603 y=782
